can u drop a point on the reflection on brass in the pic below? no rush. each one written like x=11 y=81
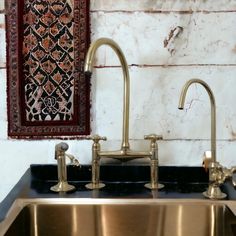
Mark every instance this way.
x=125 y=153
x=206 y=160
x=217 y=173
x=118 y=217
x=60 y=156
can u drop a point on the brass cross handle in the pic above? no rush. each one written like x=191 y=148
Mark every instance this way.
x=96 y=138
x=73 y=160
x=153 y=137
x=222 y=173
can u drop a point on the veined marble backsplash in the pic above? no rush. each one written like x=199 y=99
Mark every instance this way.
x=166 y=43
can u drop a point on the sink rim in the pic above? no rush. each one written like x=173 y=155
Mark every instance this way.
x=20 y=203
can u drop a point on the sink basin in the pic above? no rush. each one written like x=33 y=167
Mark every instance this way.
x=121 y=217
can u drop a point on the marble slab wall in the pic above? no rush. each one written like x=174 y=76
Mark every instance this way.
x=166 y=43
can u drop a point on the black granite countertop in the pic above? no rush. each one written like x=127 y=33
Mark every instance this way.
x=122 y=181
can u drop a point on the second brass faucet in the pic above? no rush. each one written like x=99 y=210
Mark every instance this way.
x=217 y=173
x=125 y=153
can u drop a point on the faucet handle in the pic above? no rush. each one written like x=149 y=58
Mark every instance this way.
x=233 y=170
x=221 y=174
x=96 y=138
x=153 y=137
x=73 y=160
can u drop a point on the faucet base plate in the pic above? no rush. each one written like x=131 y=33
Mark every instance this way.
x=156 y=186
x=95 y=186
x=222 y=196
x=214 y=192
x=62 y=187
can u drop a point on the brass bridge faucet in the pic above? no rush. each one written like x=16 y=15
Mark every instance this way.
x=217 y=173
x=125 y=153
x=60 y=156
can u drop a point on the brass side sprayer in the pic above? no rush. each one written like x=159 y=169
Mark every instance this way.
x=60 y=156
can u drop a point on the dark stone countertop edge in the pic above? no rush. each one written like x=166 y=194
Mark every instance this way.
x=44 y=175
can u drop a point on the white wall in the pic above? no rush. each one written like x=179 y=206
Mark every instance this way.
x=205 y=49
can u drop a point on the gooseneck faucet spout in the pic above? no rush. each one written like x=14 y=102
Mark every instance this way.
x=126 y=100
x=213 y=111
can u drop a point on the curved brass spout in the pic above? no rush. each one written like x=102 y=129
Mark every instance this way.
x=213 y=111
x=88 y=69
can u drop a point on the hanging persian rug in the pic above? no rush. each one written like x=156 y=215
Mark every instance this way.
x=48 y=95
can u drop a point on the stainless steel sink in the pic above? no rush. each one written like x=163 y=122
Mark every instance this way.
x=119 y=217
